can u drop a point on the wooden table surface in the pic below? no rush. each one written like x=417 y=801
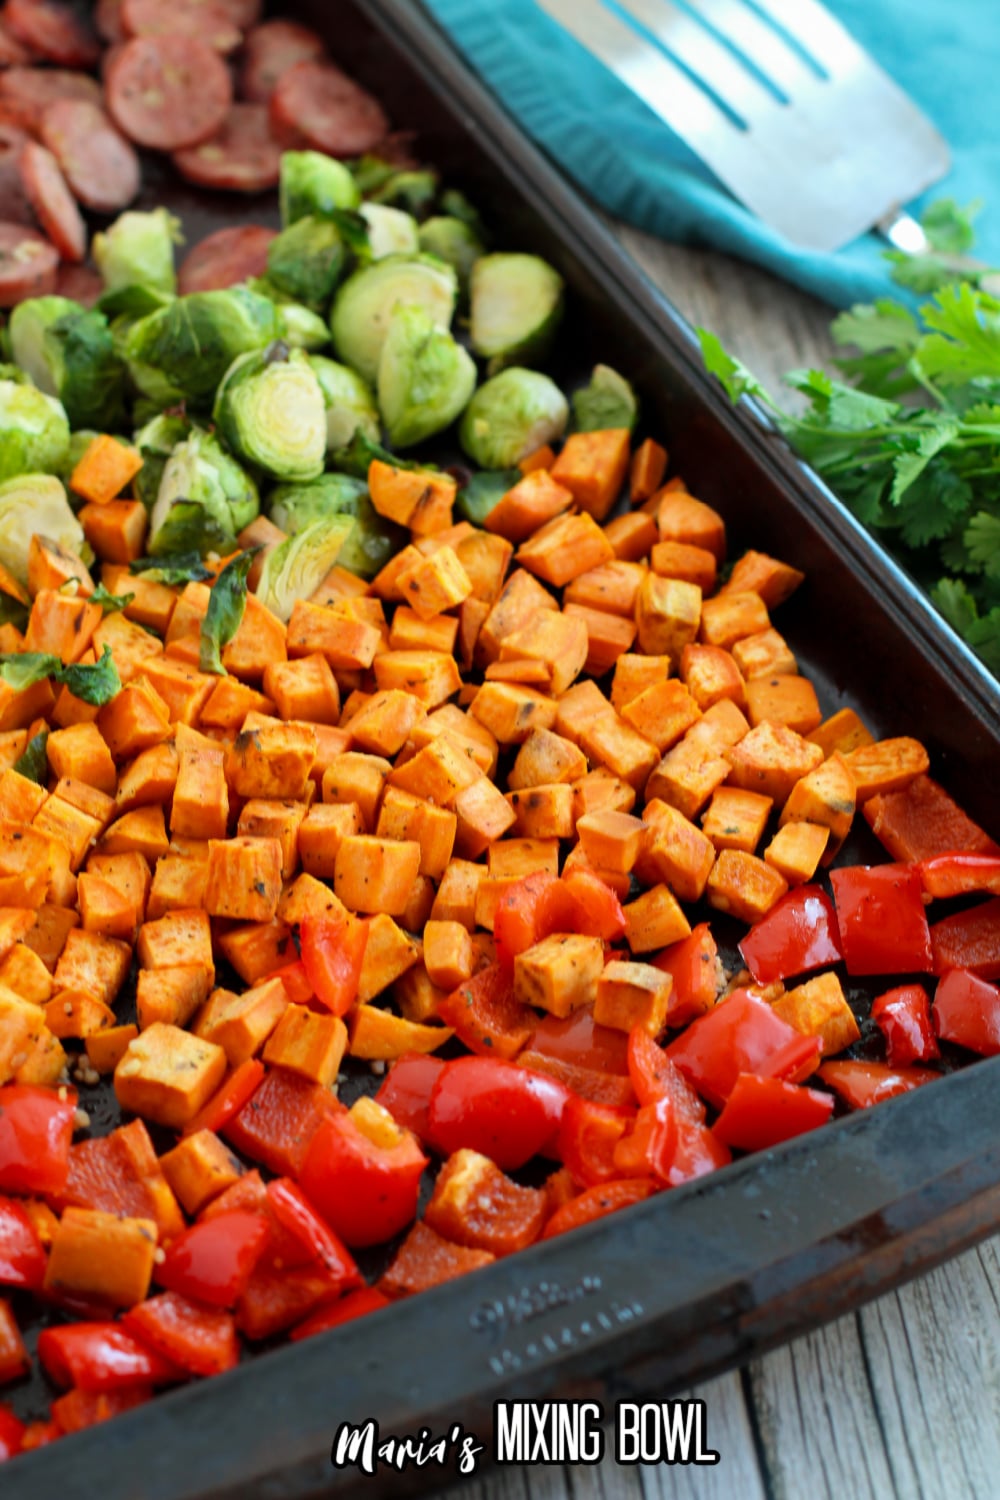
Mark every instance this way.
x=901 y=1399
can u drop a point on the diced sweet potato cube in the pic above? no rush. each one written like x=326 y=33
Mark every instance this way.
x=135 y=719
x=514 y=858
x=389 y=953
x=886 y=766
x=180 y=937
x=304 y=689
x=359 y=779
x=632 y=994
x=680 y=560
x=82 y=753
x=612 y=587
x=102 y=1256
x=510 y=712
x=258 y=949
x=646 y=471
x=241 y=1024
x=456 y=895
x=842 y=732
x=431 y=676
x=116 y=531
x=69 y=826
x=662 y=713
x=667 y=613
x=93 y=965
x=184 y=690
x=711 y=674
x=600 y=789
x=307 y=1043
x=518 y=604
x=437 y=633
x=558 y=641
x=757 y=573
x=477 y=1205
x=560 y=973
x=533 y=501
x=728 y=618
x=796 y=850
x=770 y=760
x=24 y=972
x=307 y=897
x=378 y=1036
x=200 y=807
x=826 y=796
x=564 y=548
x=374 y=874
x=435 y=584
x=784 y=699
x=766 y=654
x=682 y=518
x=544 y=812
x=171 y=995
x=61 y=625
x=244 y=878
x=384 y=724
x=269 y=818
x=105 y=909
x=20 y=798
x=142 y=831
x=106 y=1048
x=147 y=780
x=736 y=819
x=418 y=498
x=321 y=832
x=819 y=1008
x=199 y=1168
x=687 y=776
x=404 y=816
x=744 y=885
x=448 y=954
x=655 y=920
x=610 y=742
x=631 y=536
x=272 y=761
x=611 y=840
x=167 y=1075
x=439 y=772
x=608 y=636
x=15 y=921
x=593 y=466
x=674 y=852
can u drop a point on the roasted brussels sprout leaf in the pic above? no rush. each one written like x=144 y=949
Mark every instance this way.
x=34 y=763
x=70 y=354
x=457 y=206
x=34 y=432
x=483 y=492
x=30 y=504
x=205 y=497
x=182 y=352
x=356 y=458
x=302 y=328
x=270 y=410
x=371 y=542
x=510 y=416
x=425 y=378
x=138 y=250
x=111 y=604
x=174 y=568
x=608 y=401
x=133 y=301
x=314 y=184
x=362 y=307
x=350 y=405
x=454 y=241
x=515 y=306
x=23 y=669
x=412 y=189
x=390 y=231
x=95 y=683
x=296 y=568
x=155 y=442
x=307 y=260
x=226 y=605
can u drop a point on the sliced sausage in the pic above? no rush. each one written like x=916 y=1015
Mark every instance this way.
x=14 y=205
x=242 y=13
x=56 y=32
x=28 y=264
x=168 y=92
x=243 y=158
x=81 y=283
x=26 y=93
x=54 y=205
x=108 y=20
x=208 y=22
x=12 y=52
x=225 y=258
x=270 y=51
x=98 y=163
x=316 y=103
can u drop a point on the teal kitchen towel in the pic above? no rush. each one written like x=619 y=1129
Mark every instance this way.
x=942 y=52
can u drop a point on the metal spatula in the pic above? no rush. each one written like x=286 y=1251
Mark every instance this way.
x=779 y=101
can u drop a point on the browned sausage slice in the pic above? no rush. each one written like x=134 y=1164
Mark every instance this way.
x=168 y=92
x=316 y=103
x=14 y=205
x=54 y=205
x=82 y=283
x=270 y=50
x=26 y=93
x=98 y=163
x=28 y=264
x=205 y=20
x=243 y=158
x=225 y=258
x=56 y=32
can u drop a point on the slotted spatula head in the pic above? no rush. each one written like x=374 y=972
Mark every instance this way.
x=777 y=99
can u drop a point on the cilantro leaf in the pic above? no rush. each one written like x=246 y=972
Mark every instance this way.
x=173 y=568
x=734 y=375
x=110 y=604
x=23 y=669
x=982 y=540
x=226 y=605
x=93 y=682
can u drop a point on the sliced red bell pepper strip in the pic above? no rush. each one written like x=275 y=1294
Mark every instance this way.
x=693 y=966
x=577 y=1038
x=497 y=1108
x=425 y=1259
x=589 y=1083
x=277 y=1297
x=881 y=918
x=355 y=1305
x=959 y=874
x=588 y=1135
x=200 y=1339
x=699 y=1151
x=11 y=1433
x=761 y=1112
x=516 y=923
x=39 y=1435
x=486 y=1014
x=655 y=1077
x=903 y=1017
x=967 y=1010
x=741 y=1035
x=365 y=1189
x=406 y=1091
x=799 y=934
x=597 y=1202
x=922 y=820
x=332 y=951
x=969 y=940
x=649 y=1148
x=598 y=911
x=862 y=1084
x=22 y=1254
x=15 y=1360
x=542 y=904
x=298 y=986
x=80 y=1409
x=237 y=1091
x=295 y=1213
x=212 y=1261
x=36 y=1129
x=103 y=1357
x=276 y=1125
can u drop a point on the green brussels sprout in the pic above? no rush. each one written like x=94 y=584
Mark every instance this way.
x=454 y=241
x=483 y=493
x=457 y=206
x=182 y=352
x=138 y=249
x=34 y=431
x=297 y=567
x=15 y=373
x=270 y=410
x=133 y=301
x=515 y=305
x=350 y=405
x=303 y=329
x=510 y=416
x=413 y=189
x=390 y=231
x=156 y=440
x=70 y=353
x=372 y=541
x=608 y=401
x=205 y=498
x=363 y=305
x=314 y=184
x=425 y=378
x=34 y=504
x=307 y=260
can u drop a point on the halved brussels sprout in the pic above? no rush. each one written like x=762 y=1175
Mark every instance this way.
x=182 y=352
x=307 y=260
x=302 y=328
x=515 y=305
x=411 y=188
x=34 y=504
x=34 y=431
x=425 y=379
x=350 y=405
x=314 y=184
x=368 y=546
x=138 y=249
x=70 y=353
x=365 y=302
x=608 y=401
x=297 y=567
x=510 y=416
x=205 y=498
x=454 y=241
x=155 y=442
x=270 y=410
x=390 y=231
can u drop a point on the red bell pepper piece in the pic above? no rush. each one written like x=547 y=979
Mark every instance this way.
x=486 y=1015
x=588 y=1135
x=959 y=874
x=277 y=1298
x=655 y=1077
x=612 y=1089
x=355 y=1305
x=36 y=1128
x=649 y=1148
x=333 y=950
x=22 y=1254
x=542 y=904
x=298 y=986
x=903 y=1017
x=693 y=965
x=477 y=1205
x=212 y=1261
x=597 y=1202
x=11 y=1434
x=578 y=1039
x=237 y=1091
x=742 y=1035
x=406 y=1092
x=497 y=1108
x=517 y=924
x=862 y=1084
x=120 y=1174
x=276 y=1125
x=425 y=1259
x=967 y=1010
x=598 y=912
x=200 y=1339
x=80 y=1409
x=296 y=1215
x=14 y=1357
x=798 y=934
x=699 y=1151
x=39 y=1435
x=365 y=1189
x=761 y=1112
x=102 y=1357
x=969 y=940
x=923 y=820
x=880 y=914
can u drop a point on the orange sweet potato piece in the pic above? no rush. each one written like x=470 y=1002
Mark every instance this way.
x=104 y=470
